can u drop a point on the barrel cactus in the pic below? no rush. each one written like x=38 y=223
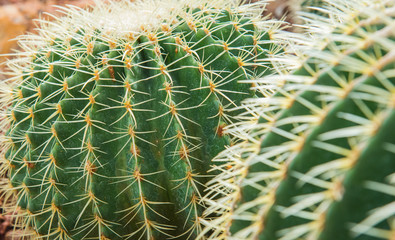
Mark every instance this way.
x=113 y=115
x=319 y=160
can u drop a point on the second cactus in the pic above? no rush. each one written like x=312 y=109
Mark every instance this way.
x=319 y=163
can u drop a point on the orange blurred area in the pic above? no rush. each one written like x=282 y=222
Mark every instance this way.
x=17 y=17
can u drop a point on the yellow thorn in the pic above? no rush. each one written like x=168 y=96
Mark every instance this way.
x=32 y=72
x=152 y=37
x=131 y=131
x=77 y=63
x=89 y=147
x=48 y=54
x=298 y=144
x=104 y=59
x=336 y=191
x=10 y=166
x=201 y=68
x=235 y=25
x=347 y=89
x=88 y=120
x=226 y=46
x=168 y=87
x=13 y=116
x=128 y=86
x=52 y=181
x=20 y=93
x=130 y=36
x=143 y=28
x=137 y=175
x=134 y=150
x=28 y=139
x=255 y=40
x=91 y=99
x=53 y=131
x=191 y=25
x=24 y=187
x=128 y=63
x=38 y=89
x=96 y=75
x=112 y=44
x=207 y=31
x=220 y=130
x=240 y=62
x=90 y=167
x=27 y=163
x=173 y=109
x=162 y=68
x=178 y=40
x=288 y=102
x=89 y=48
x=195 y=200
x=157 y=51
x=68 y=50
x=104 y=237
x=58 y=108
x=183 y=152
x=52 y=158
x=179 y=135
x=187 y=49
x=165 y=27
x=353 y=157
x=65 y=86
x=128 y=106
x=284 y=171
x=128 y=49
x=91 y=196
x=212 y=86
x=50 y=69
x=31 y=113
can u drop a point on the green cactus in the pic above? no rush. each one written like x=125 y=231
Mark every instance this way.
x=319 y=162
x=113 y=125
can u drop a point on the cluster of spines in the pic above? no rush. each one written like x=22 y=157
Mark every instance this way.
x=100 y=123
x=319 y=162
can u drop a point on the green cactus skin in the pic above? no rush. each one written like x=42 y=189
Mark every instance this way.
x=112 y=133
x=319 y=163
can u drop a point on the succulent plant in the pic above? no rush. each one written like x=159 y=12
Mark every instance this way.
x=113 y=115
x=317 y=159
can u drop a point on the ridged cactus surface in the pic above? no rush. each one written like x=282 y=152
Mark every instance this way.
x=319 y=163
x=112 y=128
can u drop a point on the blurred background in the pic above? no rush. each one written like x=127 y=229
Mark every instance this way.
x=17 y=18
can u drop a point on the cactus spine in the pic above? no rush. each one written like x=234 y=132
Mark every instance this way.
x=319 y=161
x=113 y=124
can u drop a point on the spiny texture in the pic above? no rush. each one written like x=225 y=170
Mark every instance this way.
x=113 y=125
x=303 y=11
x=319 y=161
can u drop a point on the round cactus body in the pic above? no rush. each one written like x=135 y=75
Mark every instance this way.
x=320 y=161
x=113 y=124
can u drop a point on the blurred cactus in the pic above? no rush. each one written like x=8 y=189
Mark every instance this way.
x=319 y=161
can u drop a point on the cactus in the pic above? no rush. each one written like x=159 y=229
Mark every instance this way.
x=319 y=161
x=114 y=115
